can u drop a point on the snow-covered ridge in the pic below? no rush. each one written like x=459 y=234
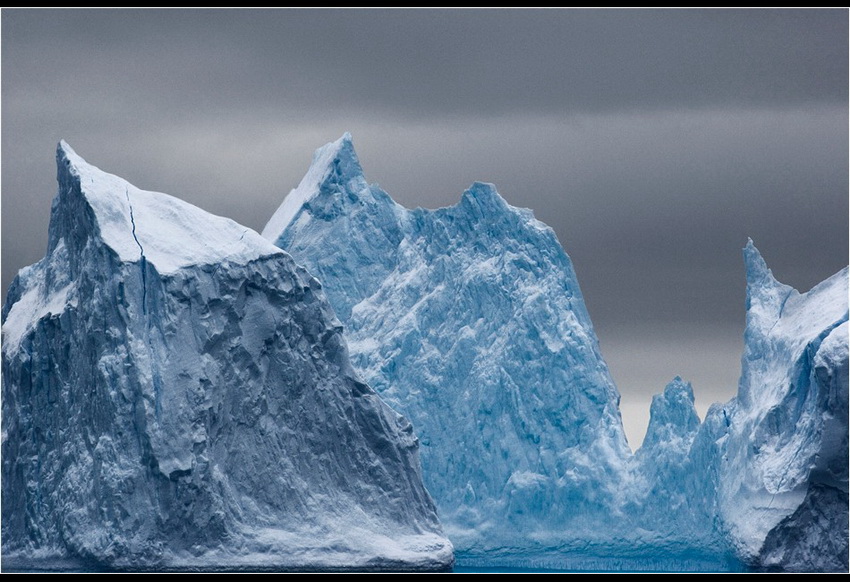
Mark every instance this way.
x=166 y=232
x=169 y=232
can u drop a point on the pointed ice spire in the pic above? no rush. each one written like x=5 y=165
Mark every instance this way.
x=765 y=295
x=68 y=166
x=758 y=272
x=672 y=416
x=64 y=156
x=485 y=197
x=340 y=159
x=334 y=164
x=69 y=219
x=67 y=156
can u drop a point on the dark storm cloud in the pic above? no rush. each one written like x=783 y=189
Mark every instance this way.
x=653 y=142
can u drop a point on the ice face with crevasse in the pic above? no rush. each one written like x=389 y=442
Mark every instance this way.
x=177 y=394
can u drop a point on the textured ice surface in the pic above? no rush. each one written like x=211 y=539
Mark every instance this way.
x=764 y=478
x=470 y=321
x=177 y=394
x=664 y=497
x=765 y=475
x=784 y=458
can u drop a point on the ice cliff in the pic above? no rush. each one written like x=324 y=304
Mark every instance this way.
x=469 y=320
x=784 y=455
x=177 y=394
x=764 y=478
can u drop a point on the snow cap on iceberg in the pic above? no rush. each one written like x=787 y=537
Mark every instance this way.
x=334 y=165
x=166 y=231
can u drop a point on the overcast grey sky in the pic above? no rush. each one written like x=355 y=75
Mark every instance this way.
x=654 y=142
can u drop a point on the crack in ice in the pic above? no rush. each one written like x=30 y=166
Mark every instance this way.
x=143 y=269
x=142 y=259
x=133 y=223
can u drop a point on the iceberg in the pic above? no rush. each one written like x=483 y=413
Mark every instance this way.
x=763 y=481
x=674 y=493
x=469 y=320
x=662 y=465
x=177 y=395
x=784 y=487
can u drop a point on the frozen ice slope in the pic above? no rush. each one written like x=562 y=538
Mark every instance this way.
x=177 y=394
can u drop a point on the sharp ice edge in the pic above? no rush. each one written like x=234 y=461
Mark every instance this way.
x=393 y=276
x=173 y=233
x=225 y=429
x=324 y=173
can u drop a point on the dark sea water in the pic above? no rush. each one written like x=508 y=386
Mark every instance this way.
x=471 y=570
x=464 y=565
x=685 y=562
